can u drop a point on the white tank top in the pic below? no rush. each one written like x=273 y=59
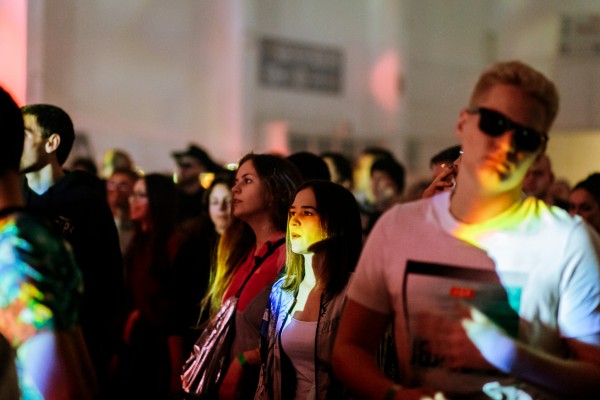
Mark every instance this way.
x=298 y=342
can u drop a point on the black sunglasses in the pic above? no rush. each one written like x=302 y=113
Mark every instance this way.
x=494 y=124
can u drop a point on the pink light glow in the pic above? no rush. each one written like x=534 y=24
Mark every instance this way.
x=13 y=48
x=276 y=134
x=385 y=80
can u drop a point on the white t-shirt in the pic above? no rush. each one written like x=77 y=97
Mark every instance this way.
x=545 y=261
x=298 y=342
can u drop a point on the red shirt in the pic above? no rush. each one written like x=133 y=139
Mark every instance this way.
x=264 y=276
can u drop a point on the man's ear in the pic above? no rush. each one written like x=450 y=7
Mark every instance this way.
x=460 y=124
x=52 y=143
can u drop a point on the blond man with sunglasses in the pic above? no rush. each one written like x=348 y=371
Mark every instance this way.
x=492 y=295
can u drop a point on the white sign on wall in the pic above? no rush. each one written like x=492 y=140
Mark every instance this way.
x=300 y=66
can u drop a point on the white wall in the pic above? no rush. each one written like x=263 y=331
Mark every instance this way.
x=146 y=76
x=149 y=76
x=366 y=32
x=448 y=46
x=530 y=30
x=574 y=155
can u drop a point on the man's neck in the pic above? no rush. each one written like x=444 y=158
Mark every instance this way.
x=43 y=179
x=469 y=204
x=121 y=213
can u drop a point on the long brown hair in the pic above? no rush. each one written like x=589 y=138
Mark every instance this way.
x=280 y=178
x=338 y=254
x=162 y=201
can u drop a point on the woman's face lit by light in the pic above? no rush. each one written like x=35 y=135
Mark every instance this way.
x=219 y=207
x=304 y=222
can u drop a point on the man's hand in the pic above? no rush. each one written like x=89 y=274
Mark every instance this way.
x=444 y=181
x=496 y=346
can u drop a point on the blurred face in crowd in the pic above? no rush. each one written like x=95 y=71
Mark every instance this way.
x=560 y=190
x=189 y=170
x=304 y=223
x=362 y=175
x=249 y=197
x=495 y=162
x=333 y=172
x=139 y=207
x=384 y=189
x=119 y=187
x=538 y=179
x=582 y=203
x=219 y=207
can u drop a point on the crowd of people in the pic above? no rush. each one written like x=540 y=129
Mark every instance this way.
x=480 y=282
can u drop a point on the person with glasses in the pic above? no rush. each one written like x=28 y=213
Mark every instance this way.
x=119 y=186
x=492 y=294
x=151 y=356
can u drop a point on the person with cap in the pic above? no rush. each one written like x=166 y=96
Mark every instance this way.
x=191 y=163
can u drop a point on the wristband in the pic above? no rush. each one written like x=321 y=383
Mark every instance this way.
x=242 y=360
x=389 y=395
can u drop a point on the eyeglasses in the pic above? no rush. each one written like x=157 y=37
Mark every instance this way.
x=118 y=186
x=185 y=165
x=138 y=195
x=494 y=124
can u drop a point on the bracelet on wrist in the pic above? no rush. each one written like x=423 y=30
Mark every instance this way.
x=242 y=360
x=391 y=392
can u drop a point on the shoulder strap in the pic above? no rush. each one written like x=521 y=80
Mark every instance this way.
x=271 y=247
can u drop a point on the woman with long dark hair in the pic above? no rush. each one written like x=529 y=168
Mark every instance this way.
x=151 y=362
x=324 y=240
x=250 y=256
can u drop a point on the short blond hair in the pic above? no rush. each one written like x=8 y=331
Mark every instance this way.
x=521 y=75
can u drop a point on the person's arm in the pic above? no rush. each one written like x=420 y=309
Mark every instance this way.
x=230 y=386
x=577 y=377
x=176 y=357
x=52 y=360
x=354 y=355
